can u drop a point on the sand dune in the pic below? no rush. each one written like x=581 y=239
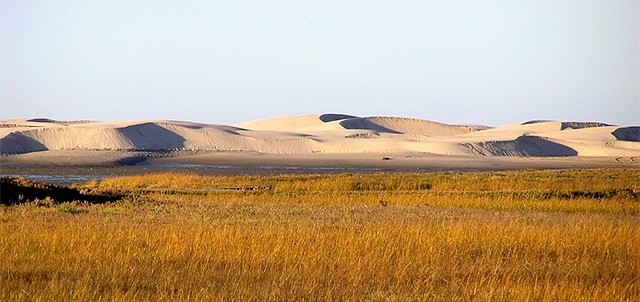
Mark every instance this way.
x=423 y=127
x=327 y=133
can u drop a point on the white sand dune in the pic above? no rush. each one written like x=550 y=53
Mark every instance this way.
x=327 y=133
x=422 y=127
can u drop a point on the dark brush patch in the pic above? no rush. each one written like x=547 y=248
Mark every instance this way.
x=20 y=190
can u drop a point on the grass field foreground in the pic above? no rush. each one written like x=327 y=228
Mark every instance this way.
x=504 y=236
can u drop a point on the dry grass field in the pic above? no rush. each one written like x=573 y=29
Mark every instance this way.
x=569 y=235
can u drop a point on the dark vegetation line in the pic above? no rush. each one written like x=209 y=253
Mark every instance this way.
x=20 y=190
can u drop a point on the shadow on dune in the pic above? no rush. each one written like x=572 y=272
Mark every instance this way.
x=631 y=134
x=330 y=117
x=532 y=122
x=364 y=124
x=150 y=136
x=525 y=146
x=223 y=128
x=18 y=143
x=581 y=125
x=42 y=120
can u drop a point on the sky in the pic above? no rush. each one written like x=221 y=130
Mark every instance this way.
x=226 y=62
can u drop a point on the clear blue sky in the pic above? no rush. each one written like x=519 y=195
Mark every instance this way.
x=484 y=62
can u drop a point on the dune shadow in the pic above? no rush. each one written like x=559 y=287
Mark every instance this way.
x=532 y=122
x=537 y=146
x=581 y=125
x=330 y=117
x=631 y=134
x=42 y=120
x=526 y=146
x=18 y=143
x=364 y=124
x=149 y=136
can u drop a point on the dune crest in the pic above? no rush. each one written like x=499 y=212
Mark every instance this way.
x=326 y=133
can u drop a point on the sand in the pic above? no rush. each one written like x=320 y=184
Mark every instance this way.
x=322 y=140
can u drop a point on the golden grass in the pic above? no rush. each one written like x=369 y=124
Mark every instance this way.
x=570 y=191
x=328 y=238
x=526 y=180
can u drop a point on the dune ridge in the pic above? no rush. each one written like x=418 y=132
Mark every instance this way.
x=326 y=133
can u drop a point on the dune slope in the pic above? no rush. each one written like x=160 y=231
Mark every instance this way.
x=327 y=133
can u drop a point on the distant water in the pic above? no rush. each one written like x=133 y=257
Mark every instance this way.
x=60 y=179
x=65 y=175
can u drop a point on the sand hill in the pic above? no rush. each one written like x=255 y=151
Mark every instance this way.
x=328 y=133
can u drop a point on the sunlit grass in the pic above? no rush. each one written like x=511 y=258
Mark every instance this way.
x=527 y=180
x=469 y=236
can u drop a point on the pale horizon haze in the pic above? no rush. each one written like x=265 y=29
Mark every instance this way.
x=227 y=62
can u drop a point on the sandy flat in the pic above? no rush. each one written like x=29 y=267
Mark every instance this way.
x=404 y=161
x=417 y=162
